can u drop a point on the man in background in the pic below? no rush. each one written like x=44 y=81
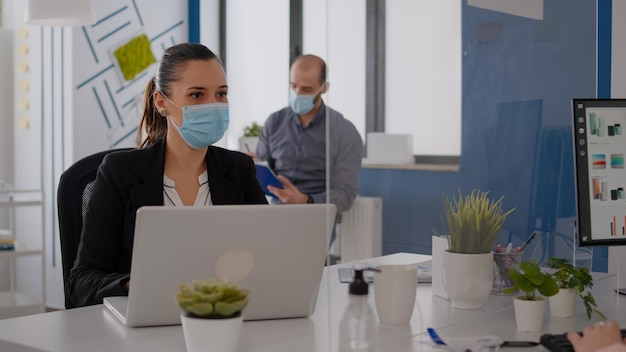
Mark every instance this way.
x=293 y=142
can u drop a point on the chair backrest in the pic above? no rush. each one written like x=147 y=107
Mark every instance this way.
x=73 y=195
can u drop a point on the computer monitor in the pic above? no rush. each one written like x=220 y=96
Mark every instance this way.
x=600 y=144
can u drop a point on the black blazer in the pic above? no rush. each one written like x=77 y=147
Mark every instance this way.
x=125 y=182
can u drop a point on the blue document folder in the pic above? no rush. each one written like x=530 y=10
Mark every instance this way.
x=267 y=177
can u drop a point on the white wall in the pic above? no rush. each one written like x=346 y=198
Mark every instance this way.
x=258 y=78
x=6 y=132
x=342 y=46
x=617 y=255
x=107 y=108
x=423 y=68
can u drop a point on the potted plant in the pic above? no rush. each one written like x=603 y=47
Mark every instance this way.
x=530 y=308
x=250 y=138
x=473 y=223
x=211 y=314
x=572 y=281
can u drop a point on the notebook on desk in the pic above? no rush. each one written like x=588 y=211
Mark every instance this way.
x=277 y=252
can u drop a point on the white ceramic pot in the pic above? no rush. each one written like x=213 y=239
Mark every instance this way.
x=211 y=335
x=467 y=278
x=246 y=143
x=562 y=304
x=529 y=314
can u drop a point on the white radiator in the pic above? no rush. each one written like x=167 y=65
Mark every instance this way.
x=360 y=231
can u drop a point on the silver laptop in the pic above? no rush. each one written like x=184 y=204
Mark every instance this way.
x=275 y=251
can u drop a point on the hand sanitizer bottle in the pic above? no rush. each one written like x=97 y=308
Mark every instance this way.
x=358 y=326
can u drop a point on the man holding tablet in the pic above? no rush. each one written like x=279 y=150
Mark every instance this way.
x=293 y=142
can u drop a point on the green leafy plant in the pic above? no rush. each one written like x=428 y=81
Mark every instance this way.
x=212 y=299
x=474 y=222
x=254 y=130
x=530 y=279
x=568 y=276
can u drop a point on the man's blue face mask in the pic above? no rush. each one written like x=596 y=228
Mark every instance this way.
x=203 y=124
x=302 y=104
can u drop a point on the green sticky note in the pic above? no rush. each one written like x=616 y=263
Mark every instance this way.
x=134 y=57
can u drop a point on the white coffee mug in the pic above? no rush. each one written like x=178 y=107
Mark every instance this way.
x=395 y=287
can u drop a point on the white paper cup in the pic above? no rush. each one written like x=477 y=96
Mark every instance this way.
x=395 y=287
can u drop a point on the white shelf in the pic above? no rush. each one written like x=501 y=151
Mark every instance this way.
x=20 y=251
x=20 y=198
x=14 y=304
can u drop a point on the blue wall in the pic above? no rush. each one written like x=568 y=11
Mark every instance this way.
x=519 y=76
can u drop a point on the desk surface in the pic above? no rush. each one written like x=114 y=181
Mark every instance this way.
x=95 y=329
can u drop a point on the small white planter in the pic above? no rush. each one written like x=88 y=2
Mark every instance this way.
x=467 y=278
x=563 y=303
x=246 y=143
x=211 y=335
x=529 y=314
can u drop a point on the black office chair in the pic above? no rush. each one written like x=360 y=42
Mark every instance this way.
x=73 y=194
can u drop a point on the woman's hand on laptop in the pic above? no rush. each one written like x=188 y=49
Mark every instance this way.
x=289 y=194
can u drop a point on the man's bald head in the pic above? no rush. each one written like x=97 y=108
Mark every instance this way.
x=310 y=62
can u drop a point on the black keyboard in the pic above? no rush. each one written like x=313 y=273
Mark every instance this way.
x=560 y=343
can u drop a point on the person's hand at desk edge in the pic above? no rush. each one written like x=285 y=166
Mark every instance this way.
x=599 y=337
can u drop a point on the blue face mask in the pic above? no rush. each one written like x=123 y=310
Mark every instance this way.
x=303 y=103
x=203 y=124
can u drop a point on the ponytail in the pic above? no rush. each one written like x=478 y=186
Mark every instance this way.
x=152 y=122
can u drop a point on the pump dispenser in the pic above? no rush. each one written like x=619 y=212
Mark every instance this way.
x=358 y=326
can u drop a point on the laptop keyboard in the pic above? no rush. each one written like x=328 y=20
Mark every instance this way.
x=560 y=343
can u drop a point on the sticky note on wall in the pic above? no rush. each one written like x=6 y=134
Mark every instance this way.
x=23 y=104
x=22 y=66
x=134 y=57
x=23 y=86
x=23 y=32
x=22 y=49
x=23 y=122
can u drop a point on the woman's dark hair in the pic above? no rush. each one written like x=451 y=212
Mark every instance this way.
x=168 y=71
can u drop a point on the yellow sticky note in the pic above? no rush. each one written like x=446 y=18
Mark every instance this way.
x=23 y=104
x=22 y=33
x=23 y=122
x=22 y=66
x=23 y=86
x=22 y=49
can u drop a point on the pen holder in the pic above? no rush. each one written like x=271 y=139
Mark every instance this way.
x=502 y=262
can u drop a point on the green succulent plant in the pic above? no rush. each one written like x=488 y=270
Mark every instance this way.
x=530 y=279
x=254 y=130
x=474 y=222
x=568 y=276
x=212 y=299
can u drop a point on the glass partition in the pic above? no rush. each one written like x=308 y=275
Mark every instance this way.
x=516 y=79
x=518 y=76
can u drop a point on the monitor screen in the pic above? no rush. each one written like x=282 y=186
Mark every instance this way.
x=600 y=145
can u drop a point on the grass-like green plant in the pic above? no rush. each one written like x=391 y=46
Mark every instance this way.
x=530 y=279
x=474 y=222
x=568 y=276
x=254 y=130
x=212 y=299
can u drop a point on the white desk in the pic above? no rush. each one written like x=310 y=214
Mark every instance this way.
x=95 y=329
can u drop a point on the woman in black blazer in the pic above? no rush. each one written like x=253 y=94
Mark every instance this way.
x=185 y=112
